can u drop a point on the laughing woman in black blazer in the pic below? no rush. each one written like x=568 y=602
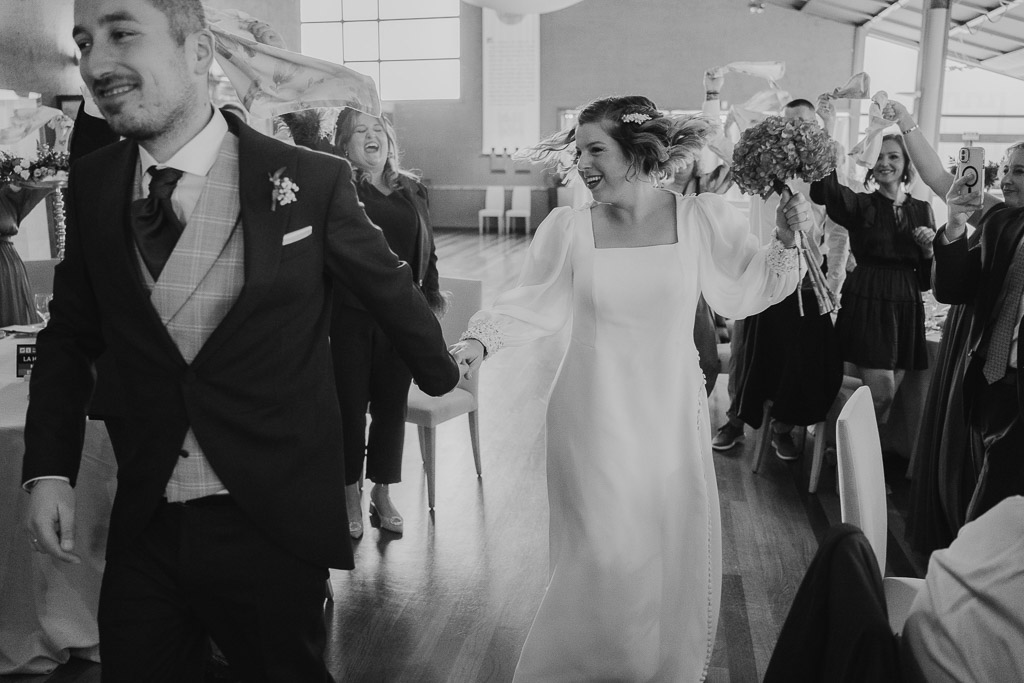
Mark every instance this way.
x=368 y=371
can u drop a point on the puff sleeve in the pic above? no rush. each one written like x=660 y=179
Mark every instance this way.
x=738 y=278
x=540 y=303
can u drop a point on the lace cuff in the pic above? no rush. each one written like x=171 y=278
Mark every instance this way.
x=487 y=333
x=782 y=259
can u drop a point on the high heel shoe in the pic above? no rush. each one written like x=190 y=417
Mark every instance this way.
x=381 y=505
x=353 y=500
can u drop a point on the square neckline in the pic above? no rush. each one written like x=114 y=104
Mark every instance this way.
x=593 y=235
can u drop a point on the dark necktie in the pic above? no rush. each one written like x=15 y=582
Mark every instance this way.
x=998 y=356
x=156 y=227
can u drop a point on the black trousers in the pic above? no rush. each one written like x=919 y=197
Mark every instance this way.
x=201 y=570
x=998 y=446
x=369 y=373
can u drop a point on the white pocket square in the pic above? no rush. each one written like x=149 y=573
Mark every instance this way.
x=296 y=235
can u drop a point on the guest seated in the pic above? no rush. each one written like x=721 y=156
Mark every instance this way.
x=967 y=622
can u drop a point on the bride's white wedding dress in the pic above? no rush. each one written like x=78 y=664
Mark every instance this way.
x=635 y=542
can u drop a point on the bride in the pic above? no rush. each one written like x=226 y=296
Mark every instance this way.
x=635 y=542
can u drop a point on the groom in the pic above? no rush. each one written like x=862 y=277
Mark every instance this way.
x=199 y=255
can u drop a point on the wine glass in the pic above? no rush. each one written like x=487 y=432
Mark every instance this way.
x=42 y=302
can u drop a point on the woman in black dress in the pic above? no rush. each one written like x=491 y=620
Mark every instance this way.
x=368 y=371
x=881 y=320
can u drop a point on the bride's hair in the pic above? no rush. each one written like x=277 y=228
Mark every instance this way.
x=656 y=144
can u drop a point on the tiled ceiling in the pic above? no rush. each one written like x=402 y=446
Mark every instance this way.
x=986 y=33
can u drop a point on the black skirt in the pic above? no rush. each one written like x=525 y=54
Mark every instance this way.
x=881 y=321
x=794 y=361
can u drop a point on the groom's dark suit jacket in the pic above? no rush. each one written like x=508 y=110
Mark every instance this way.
x=964 y=275
x=259 y=395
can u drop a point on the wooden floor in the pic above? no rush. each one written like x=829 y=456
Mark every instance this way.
x=453 y=599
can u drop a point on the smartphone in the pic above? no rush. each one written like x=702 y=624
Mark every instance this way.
x=970 y=164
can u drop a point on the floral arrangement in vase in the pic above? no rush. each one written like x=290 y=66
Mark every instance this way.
x=12 y=168
x=49 y=165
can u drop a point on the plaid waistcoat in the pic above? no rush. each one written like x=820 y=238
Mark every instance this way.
x=196 y=289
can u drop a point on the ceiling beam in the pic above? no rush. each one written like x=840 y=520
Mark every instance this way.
x=992 y=15
x=893 y=7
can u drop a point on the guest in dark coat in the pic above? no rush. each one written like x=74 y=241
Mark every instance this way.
x=369 y=373
x=991 y=277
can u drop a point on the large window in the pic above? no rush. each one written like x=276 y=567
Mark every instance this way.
x=978 y=106
x=409 y=47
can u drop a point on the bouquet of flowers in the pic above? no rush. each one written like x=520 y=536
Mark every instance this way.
x=49 y=166
x=12 y=168
x=774 y=151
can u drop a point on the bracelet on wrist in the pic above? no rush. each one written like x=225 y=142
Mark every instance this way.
x=711 y=95
x=910 y=130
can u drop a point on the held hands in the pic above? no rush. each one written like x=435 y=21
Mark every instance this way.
x=960 y=205
x=924 y=236
x=50 y=520
x=468 y=353
x=793 y=214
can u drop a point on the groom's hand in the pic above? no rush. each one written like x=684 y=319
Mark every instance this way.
x=51 y=519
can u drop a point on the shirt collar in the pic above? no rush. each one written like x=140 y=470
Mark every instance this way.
x=199 y=154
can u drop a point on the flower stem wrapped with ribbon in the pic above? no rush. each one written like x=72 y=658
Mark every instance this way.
x=779 y=149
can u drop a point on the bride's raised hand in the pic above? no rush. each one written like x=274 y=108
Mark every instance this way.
x=468 y=353
x=794 y=215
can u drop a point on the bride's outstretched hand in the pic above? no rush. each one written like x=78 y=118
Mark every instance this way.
x=468 y=353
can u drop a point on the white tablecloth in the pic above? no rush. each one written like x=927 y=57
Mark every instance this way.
x=48 y=608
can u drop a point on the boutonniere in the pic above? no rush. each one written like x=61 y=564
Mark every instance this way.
x=284 y=189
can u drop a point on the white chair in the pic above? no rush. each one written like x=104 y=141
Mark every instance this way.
x=494 y=207
x=824 y=432
x=862 y=495
x=426 y=412
x=520 y=208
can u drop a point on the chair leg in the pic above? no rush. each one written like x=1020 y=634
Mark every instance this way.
x=420 y=432
x=427 y=448
x=820 y=437
x=474 y=437
x=329 y=590
x=764 y=437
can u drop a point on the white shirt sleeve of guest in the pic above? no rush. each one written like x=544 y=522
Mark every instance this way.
x=540 y=303
x=737 y=276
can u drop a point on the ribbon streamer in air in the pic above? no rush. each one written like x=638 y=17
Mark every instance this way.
x=271 y=81
x=865 y=153
x=770 y=71
x=857 y=88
